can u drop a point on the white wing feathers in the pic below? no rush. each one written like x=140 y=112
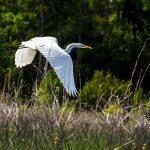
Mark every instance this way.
x=63 y=66
x=58 y=58
x=24 y=56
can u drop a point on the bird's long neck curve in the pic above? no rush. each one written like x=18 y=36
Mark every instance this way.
x=71 y=46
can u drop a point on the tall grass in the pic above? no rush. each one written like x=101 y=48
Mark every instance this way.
x=39 y=127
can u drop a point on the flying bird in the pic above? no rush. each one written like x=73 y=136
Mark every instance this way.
x=58 y=58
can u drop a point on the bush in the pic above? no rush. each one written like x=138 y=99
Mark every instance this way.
x=104 y=88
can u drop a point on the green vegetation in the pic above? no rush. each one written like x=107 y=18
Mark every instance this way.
x=112 y=110
x=42 y=123
x=115 y=29
x=103 y=88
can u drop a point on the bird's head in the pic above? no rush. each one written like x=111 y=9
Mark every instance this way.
x=76 y=45
x=80 y=45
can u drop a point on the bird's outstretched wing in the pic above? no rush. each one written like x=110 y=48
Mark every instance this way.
x=27 y=51
x=63 y=66
x=24 y=56
x=58 y=58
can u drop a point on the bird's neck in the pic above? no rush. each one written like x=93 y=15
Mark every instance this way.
x=71 y=46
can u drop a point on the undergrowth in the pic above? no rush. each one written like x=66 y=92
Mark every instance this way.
x=43 y=123
x=45 y=127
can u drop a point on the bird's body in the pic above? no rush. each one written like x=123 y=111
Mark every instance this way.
x=58 y=58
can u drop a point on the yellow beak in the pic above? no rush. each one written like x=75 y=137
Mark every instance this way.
x=85 y=46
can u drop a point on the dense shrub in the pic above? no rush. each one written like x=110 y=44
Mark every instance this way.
x=104 y=88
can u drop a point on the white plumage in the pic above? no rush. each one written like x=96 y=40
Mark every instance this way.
x=58 y=58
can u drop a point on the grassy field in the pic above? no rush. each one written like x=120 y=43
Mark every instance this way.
x=44 y=127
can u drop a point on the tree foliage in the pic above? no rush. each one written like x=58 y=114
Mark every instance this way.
x=116 y=30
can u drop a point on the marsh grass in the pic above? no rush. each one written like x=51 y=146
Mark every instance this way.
x=39 y=127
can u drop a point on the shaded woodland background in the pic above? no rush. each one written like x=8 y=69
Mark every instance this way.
x=116 y=29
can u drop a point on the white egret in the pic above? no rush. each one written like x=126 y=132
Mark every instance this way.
x=56 y=56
